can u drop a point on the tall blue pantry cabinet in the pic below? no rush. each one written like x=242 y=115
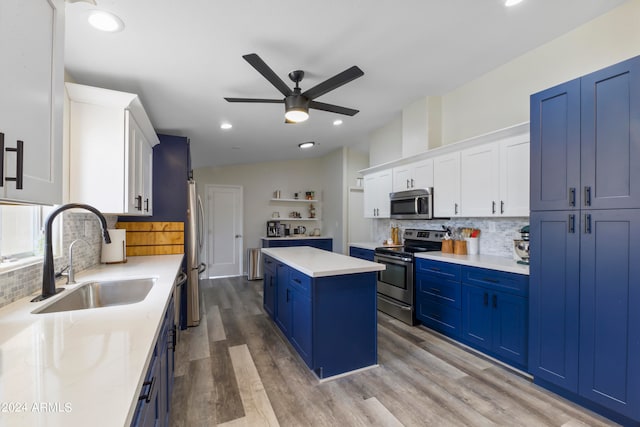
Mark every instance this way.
x=585 y=251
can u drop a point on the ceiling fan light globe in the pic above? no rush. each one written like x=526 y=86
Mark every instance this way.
x=296 y=115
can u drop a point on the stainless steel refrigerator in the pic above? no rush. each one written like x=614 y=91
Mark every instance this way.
x=195 y=240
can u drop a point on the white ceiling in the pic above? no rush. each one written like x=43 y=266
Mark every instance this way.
x=183 y=56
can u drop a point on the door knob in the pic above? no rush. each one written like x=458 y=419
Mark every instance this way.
x=238 y=236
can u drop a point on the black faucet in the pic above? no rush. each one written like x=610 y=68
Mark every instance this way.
x=48 y=274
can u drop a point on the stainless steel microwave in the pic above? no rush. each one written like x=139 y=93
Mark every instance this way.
x=412 y=204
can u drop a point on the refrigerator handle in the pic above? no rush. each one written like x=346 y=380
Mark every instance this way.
x=200 y=223
x=201 y=267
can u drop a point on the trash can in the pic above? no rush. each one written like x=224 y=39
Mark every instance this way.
x=254 y=270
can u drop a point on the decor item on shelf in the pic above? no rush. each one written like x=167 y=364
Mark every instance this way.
x=296 y=196
x=312 y=211
x=275 y=215
x=316 y=232
x=295 y=214
x=277 y=194
x=310 y=195
x=296 y=102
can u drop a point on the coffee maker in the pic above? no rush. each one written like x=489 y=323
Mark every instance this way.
x=273 y=229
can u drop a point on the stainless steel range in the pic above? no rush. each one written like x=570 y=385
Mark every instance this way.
x=396 y=292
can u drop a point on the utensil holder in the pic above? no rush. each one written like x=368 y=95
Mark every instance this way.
x=472 y=245
x=459 y=247
x=447 y=246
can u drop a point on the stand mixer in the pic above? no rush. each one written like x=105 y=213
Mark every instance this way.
x=521 y=246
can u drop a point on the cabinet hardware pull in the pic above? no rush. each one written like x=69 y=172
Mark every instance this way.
x=19 y=150
x=146 y=205
x=435 y=290
x=587 y=195
x=138 y=205
x=175 y=336
x=490 y=280
x=411 y=182
x=1 y=159
x=486 y=299
x=408 y=184
x=501 y=206
x=151 y=384
x=495 y=301
x=297 y=281
x=572 y=223
x=587 y=223
x=436 y=316
x=455 y=210
x=435 y=269
x=287 y=295
x=493 y=206
x=572 y=196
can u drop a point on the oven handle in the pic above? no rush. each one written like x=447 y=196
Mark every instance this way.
x=390 y=301
x=392 y=260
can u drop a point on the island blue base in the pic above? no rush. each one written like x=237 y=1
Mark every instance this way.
x=330 y=321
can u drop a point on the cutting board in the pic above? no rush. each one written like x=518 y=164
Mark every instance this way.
x=153 y=238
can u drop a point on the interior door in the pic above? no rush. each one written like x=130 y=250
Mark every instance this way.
x=224 y=230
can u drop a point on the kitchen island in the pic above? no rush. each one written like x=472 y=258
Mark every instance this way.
x=325 y=305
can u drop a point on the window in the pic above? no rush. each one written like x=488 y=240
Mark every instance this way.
x=22 y=234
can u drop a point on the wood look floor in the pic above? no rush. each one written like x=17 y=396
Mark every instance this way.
x=237 y=369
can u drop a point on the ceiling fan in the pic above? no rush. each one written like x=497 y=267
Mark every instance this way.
x=296 y=102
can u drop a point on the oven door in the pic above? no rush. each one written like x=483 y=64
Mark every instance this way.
x=396 y=281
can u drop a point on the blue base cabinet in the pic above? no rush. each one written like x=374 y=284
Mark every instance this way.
x=269 y=277
x=154 y=402
x=330 y=321
x=438 y=296
x=323 y=243
x=366 y=254
x=495 y=314
x=585 y=219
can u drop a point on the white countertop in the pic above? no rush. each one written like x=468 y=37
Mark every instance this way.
x=319 y=263
x=371 y=245
x=491 y=262
x=83 y=367
x=296 y=236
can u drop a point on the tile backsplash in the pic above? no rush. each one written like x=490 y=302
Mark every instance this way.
x=25 y=281
x=496 y=234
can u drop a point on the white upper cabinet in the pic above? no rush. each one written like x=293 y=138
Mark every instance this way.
x=446 y=185
x=377 y=187
x=413 y=176
x=514 y=176
x=110 y=145
x=31 y=104
x=495 y=178
x=480 y=180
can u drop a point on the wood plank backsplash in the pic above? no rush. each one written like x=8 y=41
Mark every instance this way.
x=153 y=238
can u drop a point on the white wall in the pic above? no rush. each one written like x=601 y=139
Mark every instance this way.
x=259 y=181
x=386 y=143
x=500 y=98
x=333 y=204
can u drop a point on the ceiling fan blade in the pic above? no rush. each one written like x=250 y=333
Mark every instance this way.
x=260 y=66
x=334 y=82
x=333 y=108
x=266 y=101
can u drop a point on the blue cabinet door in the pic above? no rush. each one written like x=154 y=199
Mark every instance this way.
x=610 y=137
x=269 y=286
x=609 y=310
x=366 y=254
x=476 y=316
x=301 y=333
x=510 y=327
x=555 y=148
x=283 y=297
x=554 y=297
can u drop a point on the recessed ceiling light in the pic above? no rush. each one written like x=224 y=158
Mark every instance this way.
x=510 y=3
x=226 y=126
x=105 y=21
x=337 y=122
x=307 y=144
